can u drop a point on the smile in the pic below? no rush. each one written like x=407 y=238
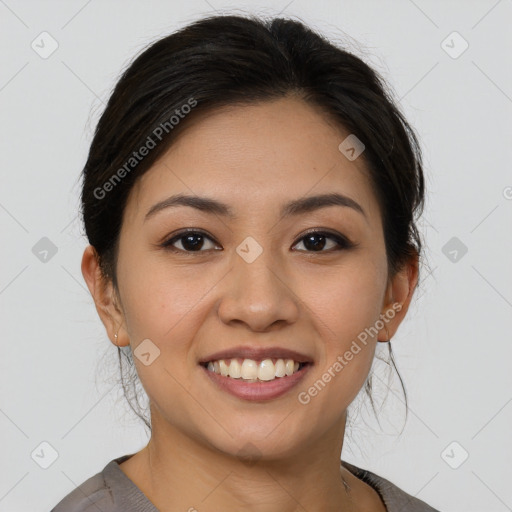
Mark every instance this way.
x=253 y=380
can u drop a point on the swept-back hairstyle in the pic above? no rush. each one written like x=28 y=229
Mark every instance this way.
x=229 y=60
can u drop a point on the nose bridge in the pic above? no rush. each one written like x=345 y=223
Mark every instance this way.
x=258 y=292
x=257 y=267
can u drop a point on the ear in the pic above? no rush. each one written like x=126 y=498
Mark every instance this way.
x=398 y=297
x=105 y=297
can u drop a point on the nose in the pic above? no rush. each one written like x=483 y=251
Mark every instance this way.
x=259 y=294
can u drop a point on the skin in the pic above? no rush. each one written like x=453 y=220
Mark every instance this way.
x=190 y=305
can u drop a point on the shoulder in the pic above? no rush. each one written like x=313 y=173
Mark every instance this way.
x=394 y=498
x=108 y=491
x=92 y=495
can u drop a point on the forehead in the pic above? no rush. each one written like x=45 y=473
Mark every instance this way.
x=256 y=157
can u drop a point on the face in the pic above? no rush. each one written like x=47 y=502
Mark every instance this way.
x=256 y=278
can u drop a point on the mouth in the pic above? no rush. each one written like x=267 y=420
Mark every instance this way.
x=255 y=380
x=251 y=370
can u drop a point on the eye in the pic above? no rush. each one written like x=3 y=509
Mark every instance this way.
x=315 y=241
x=190 y=240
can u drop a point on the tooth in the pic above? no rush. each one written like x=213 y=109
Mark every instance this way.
x=224 y=368
x=235 y=369
x=266 y=370
x=280 y=368
x=252 y=371
x=249 y=369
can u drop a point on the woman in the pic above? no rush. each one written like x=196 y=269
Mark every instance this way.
x=250 y=199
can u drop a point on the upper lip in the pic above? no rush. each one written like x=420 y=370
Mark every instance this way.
x=257 y=353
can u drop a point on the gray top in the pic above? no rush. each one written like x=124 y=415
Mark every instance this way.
x=112 y=491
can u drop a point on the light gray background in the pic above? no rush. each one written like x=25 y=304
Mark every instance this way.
x=454 y=351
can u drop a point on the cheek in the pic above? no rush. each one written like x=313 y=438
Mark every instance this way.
x=162 y=311
x=160 y=306
x=167 y=305
x=343 y=323
x=346 y=300
x=345 y=307
x=155 y=296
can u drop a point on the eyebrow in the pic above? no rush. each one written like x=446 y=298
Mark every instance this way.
x=292 y=208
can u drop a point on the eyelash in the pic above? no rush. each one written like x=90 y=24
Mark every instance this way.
x=343 y=242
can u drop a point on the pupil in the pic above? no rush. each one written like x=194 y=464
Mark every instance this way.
x=320 y=245
x=190 y=245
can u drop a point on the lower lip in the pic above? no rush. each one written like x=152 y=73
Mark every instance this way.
x=257 y=391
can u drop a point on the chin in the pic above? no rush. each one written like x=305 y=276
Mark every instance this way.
x=257 y=445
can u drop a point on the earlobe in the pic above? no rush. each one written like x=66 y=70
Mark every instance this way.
x=386 y=318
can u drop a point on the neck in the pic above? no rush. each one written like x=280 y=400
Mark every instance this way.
x=178 y=472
